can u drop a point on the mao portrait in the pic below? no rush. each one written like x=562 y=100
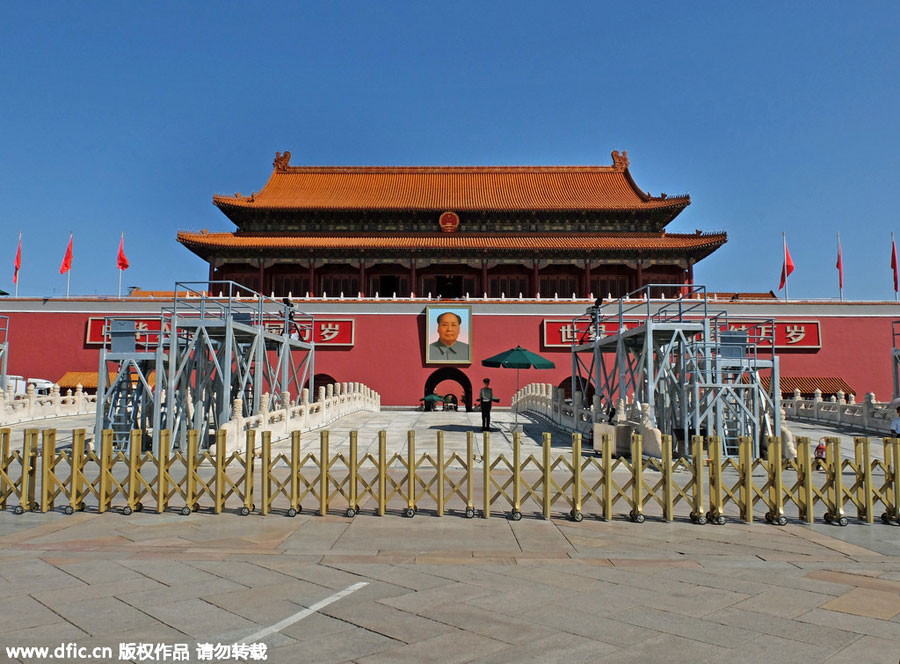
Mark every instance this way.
x=448 y=335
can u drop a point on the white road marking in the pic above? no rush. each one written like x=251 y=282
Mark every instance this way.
x=300 y=615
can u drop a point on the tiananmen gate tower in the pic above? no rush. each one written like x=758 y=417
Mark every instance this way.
x=452 y=232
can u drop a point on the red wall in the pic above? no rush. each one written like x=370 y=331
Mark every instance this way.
x=388 y=351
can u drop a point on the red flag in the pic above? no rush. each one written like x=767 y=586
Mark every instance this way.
x=67 y=259
x=122 y=262
x=894 y=262
x=18 y=261
x=840 y=266
x=787 y=268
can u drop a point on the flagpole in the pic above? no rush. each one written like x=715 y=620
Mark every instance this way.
x=894 y=250
x=69 y=271
x=841 y=271
x=121 y=241
x=17 y=269
x=784 y=263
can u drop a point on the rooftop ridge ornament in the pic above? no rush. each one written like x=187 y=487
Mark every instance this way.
x=282 y=161
x=620 y=161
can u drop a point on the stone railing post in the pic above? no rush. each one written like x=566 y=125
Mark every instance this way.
x=868 y=409
x=30 y=396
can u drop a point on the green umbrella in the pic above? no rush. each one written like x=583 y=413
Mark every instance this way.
x=518 y=358
x=431 y=398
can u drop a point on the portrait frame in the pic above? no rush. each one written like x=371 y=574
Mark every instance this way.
x=435 y=352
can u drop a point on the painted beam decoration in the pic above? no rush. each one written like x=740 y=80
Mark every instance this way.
x=327 y=331
x=788 y=334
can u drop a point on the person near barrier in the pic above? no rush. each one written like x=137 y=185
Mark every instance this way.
x=486 y=400
x=895 y=424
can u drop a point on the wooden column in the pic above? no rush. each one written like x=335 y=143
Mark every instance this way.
x=535 y=280
x=312 y=277
x=412 y=276
x=362 y=277
x=640 y=274
x=587 y=279
x=262 y=278
x=484 y=277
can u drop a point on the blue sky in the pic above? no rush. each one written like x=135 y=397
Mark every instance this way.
x=130 y=116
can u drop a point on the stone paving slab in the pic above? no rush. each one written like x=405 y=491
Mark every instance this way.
x=456 y=589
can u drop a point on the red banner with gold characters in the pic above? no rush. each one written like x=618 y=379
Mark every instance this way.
x=788 y=334
x=326 y=331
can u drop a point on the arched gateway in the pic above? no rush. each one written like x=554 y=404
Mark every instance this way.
x=454 y=374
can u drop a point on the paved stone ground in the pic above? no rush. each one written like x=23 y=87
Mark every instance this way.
x=451 y=589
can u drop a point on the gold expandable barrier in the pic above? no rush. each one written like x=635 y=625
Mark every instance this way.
x=38 y=476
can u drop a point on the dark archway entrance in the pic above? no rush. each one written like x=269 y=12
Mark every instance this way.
x=566 y=386
x=457 y=376
x=320 y=380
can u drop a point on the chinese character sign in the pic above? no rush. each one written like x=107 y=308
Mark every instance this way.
x=787 y=335
x=324 y=331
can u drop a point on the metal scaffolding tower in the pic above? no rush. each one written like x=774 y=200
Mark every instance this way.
x=207 y=351
x=699 y=371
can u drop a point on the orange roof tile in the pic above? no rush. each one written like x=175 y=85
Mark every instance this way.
x=808 y=384
x=88 y=379
x=454 y=241
x=452 y=188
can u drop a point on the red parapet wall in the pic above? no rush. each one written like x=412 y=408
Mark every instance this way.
x=388 y=344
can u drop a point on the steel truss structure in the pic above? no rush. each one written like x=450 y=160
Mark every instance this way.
x=206 y=353
x=701 y=372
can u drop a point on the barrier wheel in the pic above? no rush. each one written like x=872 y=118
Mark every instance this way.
x=127 y=510
x=577 y=517
x=69 y=509
x=636 y=516
x=139 y=507
x=409 y=512
x=701 y=520
x=769 y=517
x=18 y=509
x=245 y=510
x=827 y=517
x=781 y=521
x=81 y=507
x=720 y=520
x=185 y=511
x=291 y=512
x=470 y=513
x=885 y=518
x=252 y=507
x=350 y=512
x=515 y=515
x=842 y=521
